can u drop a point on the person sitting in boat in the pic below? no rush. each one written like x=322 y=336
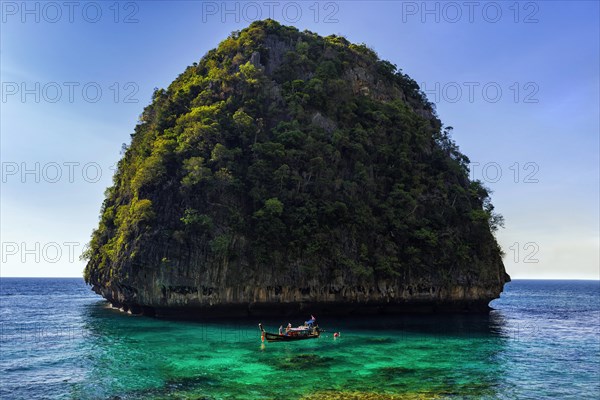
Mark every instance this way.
x=311 y=321
x=288 y=328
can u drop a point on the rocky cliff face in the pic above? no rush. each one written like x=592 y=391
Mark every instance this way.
x=288 y=172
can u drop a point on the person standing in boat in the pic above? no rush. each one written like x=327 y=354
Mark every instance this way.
x=311 y=321
x=280 y=330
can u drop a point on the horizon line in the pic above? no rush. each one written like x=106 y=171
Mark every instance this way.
x=512 y=279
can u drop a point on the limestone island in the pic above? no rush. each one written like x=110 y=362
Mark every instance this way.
x=288 y=173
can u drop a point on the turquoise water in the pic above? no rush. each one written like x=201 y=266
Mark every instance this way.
x=58 y=340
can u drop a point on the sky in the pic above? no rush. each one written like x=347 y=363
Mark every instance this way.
x=518 y=81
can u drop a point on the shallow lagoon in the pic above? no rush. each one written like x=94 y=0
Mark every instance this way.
x=59 y=340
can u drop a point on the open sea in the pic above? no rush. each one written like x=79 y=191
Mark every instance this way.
x=58 y=340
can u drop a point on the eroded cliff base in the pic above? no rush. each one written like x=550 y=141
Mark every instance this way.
x=194 y=309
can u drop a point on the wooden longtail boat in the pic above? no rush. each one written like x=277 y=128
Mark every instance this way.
x=302 y=333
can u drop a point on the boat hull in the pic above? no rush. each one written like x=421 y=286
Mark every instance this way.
x=290 y=337
x=273 y=337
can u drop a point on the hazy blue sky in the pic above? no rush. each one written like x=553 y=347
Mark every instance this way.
x=519 y=82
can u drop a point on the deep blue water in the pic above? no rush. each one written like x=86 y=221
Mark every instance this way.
x=58 y=340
